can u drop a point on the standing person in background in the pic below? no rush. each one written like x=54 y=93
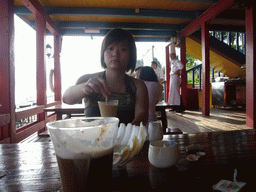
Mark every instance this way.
x=175 y=82
x=118 y=56
x=159 y=72
x=155 y=89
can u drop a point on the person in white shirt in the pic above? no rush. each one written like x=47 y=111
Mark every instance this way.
x=175 y=81
x=159 y=72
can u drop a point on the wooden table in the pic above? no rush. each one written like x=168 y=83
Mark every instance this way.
x=161 y=107
x=33 y=166
x=79 y=109
x=66 y=109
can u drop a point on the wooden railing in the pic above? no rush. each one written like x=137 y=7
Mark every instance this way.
x=197 y=70
x=4 y=132
x=29 y=127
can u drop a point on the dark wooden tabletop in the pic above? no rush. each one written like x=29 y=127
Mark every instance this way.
x=79 y=109
x=33 y=166
x=64 y=108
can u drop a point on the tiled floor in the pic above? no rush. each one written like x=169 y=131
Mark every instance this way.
x=193 y=122
x=220 y=119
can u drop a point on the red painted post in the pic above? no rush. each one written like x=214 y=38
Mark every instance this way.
x=184 y=73
x=41 y=72
x=167 y=73
x=206 y=68
x=7 y=68
x=57 y=70
x=250 y=68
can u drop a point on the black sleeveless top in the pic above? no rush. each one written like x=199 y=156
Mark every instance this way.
x=126 y=102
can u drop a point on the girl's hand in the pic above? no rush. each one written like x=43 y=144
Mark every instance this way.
x=96 y=84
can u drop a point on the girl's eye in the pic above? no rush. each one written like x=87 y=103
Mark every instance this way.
x=124 y=49
x=110 y=48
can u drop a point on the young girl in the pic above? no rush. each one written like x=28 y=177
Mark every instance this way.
x=118 y=56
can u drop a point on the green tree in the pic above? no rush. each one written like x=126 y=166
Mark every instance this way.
x=232 y=37
x=191 y=61
x=139 y=63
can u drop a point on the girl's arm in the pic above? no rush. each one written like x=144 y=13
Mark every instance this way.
x=85 y=86
x=76 y=92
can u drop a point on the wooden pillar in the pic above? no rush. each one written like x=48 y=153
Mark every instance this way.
x=206 y=68
x=41 y=72
x=57 y=70
x=167 y=73
x=7 y=68
x=184 y=73
x=250 y=68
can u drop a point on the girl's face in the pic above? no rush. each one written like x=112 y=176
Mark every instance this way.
x=117 y=56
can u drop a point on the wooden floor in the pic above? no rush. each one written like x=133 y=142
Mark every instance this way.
x=35 y=138
x=220 y=119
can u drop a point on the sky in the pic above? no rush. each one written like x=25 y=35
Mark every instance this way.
x=79 y=56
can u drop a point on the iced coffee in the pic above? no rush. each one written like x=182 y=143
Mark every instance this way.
x=84 y=150
x=108 y=108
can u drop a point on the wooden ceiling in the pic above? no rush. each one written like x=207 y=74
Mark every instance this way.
x=147 y=20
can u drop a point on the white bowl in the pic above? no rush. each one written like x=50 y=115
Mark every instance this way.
x=129 y=141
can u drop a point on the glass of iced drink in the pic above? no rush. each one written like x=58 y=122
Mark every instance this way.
x=84 y=151
x=108 y=108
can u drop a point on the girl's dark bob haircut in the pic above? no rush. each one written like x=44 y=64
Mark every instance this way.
x=148 y=74
x=116 y=36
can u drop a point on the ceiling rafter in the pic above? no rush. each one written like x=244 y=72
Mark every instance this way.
x=104 y=25
x=92 y=11
x=150 y=20
x=208 y=15
x=35 y=7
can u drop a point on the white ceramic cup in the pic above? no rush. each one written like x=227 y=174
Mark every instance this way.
x=155 y=131
x=163 y=154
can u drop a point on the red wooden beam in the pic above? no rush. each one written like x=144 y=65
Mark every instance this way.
x=7 y=69
x=167 y=73
x=41 y=72
x=35 y=7
x=211 y=13
x=4 y=119
x=57 y=70
x=184 y=73
x=206 y=68
x=250 y=69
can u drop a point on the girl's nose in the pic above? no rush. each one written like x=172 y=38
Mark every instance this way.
x=116 y=53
